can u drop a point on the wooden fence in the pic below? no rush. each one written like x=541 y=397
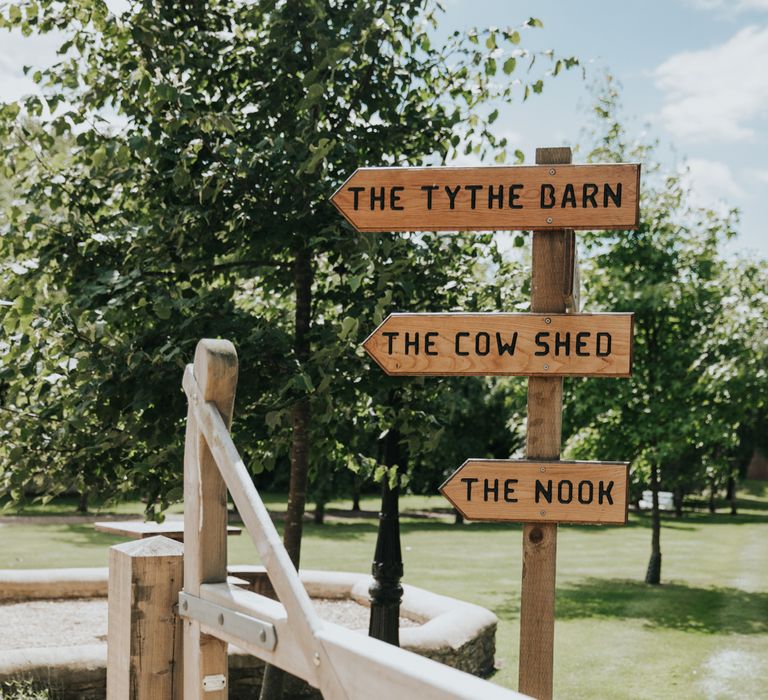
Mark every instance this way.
x=144 y=656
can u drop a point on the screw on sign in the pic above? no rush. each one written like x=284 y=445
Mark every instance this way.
x=552 y=198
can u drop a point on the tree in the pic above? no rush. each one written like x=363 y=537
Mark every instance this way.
x=671 y=274
x=202 y=208
x=208 y=138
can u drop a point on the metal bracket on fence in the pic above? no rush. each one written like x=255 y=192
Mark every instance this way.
x=231 y=622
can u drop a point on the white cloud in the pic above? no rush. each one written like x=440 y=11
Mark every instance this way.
x=730 y=6
x=712 y=184
x=716 y=93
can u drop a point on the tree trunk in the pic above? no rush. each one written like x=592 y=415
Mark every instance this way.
x=653 y=574
x=458 y=518
x=82 y=506
x=712 y=496
x=319 y=513
x=274 y=678
x=386 y=591
x=356 y=497
x=732 y=494
x=678 y=501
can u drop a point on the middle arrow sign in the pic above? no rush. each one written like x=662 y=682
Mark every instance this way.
x=444 y=344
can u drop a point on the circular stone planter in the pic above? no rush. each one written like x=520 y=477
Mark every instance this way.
x=447 y=630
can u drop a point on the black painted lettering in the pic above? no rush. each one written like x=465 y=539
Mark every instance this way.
x=604 y=492
x=452 y=195
x=429 y=189
x=394 y=198
x=473 y=197
x=541 y=343
x=586 y=492
x=569 y=197
x=499 y=198
x=603 y=344
x=488 y=489
x=377 y=198
x=608 y=193
x=469 y=481
x=581 y=343
x=565 y=491
x=563 y=343
x=356 y=196
x=390 y=336
x=482 y=343
x=411 y=343
x=547 y=191
x=509 y=489
x=588 y=193
x=459 y=335
x=429 y=343
x=503 y=347
x=513 y=196
x=543 y=491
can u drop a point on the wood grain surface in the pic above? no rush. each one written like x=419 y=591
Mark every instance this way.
x=491 y=198
x=205 y=514
x=443 y=344
x=502 y=490
x=549 y=263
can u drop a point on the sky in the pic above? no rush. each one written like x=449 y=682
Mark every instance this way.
x=694 y=75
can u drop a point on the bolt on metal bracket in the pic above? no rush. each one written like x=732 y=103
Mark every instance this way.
x=233 y=623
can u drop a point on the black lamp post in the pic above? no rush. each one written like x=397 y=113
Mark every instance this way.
x=387 y=569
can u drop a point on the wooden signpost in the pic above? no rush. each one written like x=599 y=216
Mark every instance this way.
x=552 y=198
x=576 y=345
x=519 y=491
x=491 y=198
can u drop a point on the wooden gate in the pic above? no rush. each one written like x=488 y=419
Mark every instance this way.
x=343 y=664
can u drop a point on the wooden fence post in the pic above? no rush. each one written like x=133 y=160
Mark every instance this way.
x=144 y=631
x=205 y=519
x=543 y=435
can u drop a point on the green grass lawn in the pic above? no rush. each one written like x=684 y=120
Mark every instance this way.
x=702 y=634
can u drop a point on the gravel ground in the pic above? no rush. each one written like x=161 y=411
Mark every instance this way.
x=54 y=623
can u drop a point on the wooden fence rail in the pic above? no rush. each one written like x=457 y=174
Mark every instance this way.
x=288 y=633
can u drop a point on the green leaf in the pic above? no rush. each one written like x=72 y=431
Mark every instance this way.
x=348 y=326
x=509 y=65
x=315 y=92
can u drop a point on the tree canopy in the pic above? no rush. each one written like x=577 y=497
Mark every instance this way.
x=172 y=183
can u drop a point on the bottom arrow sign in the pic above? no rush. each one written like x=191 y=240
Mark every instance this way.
x=504 y=490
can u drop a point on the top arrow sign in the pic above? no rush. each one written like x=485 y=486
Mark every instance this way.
x=492 y=198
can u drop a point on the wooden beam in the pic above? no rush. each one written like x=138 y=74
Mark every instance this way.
x=543 y=435
x=272 y=552
x=144 y=632
x=205 y=514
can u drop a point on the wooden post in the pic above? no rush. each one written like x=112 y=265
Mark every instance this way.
x=144 y=632
x=543 y=435
x=205 y=516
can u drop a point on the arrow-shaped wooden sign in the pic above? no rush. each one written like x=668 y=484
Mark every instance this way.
x=532 y=491
x=492 y=198
x=443 y=344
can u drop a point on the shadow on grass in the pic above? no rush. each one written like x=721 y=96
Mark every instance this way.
x=86 y=535
x=715 y=610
